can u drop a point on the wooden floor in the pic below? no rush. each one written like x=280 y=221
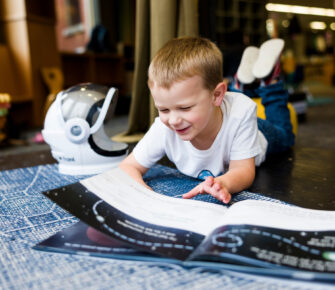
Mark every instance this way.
x=305 y=176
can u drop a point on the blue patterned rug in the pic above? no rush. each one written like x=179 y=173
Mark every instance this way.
x=27 y=218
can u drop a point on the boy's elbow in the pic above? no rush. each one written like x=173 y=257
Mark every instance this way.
x=127 y=163
x=123 y=163
x=251 y=180
x=130 y=164
x=252 y=176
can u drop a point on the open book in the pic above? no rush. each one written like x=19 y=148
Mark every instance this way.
x=262 y=236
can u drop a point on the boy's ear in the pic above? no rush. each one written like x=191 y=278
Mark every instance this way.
x=219 y=93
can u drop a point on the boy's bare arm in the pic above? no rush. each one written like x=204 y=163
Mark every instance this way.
x=134 y=169
x=240 y=176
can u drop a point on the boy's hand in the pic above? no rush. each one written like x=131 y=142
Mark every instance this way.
x=211 y=187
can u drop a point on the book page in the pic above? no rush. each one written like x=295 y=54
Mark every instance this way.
x=270 y=214
x=122 y=192
x=271 y=235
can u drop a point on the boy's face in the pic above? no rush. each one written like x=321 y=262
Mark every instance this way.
x=187 y=108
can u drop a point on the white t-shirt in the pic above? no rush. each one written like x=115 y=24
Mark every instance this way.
x=238 y=138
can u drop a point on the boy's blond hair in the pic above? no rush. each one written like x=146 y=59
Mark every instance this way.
x=185 y=57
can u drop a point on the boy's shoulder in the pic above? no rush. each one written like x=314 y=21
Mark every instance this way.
x=239 y=100
x=237 y=95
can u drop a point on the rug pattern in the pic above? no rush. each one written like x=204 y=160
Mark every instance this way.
x=27 y=217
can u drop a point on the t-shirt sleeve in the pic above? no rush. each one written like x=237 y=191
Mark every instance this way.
x=246 y=144
x=150 y=148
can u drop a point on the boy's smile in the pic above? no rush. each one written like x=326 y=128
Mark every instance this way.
x=190 y=110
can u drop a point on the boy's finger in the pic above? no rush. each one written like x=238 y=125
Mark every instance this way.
x=217 y=186
x=225 y=196
x=213 y=191
x=209 y=181
x=193 y=192
x=221 y=194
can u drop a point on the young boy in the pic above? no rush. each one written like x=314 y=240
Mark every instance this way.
x=204 y=130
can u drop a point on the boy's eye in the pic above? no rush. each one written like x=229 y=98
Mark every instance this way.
x=163 y=110
x=185 y=108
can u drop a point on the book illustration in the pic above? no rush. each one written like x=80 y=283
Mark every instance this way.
x=168 y=242
x=255 y=233
x=270 y=247
x=84 y=240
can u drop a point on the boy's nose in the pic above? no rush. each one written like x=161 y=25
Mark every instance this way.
x=174 y=119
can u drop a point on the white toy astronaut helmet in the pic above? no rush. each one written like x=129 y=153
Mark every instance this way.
x=73 y=128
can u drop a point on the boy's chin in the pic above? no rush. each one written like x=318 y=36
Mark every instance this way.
x=185 y=137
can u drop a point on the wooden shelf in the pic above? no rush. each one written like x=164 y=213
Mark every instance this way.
x=17 y=99
x=30 y=44
x=105 y=69
x=247 y=16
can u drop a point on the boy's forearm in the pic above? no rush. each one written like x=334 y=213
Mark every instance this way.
x=237 y=179
x=133 y=173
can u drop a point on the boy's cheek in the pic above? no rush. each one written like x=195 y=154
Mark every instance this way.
x=164 y=120
x=161 y=116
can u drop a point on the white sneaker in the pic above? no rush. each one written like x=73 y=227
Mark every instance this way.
x=269 y=54
x=244 y=72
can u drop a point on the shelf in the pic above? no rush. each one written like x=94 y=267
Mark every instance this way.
x=18 y=99
x=105 y=69
x=40 y=9
x=35 y=10
x=241 y=16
